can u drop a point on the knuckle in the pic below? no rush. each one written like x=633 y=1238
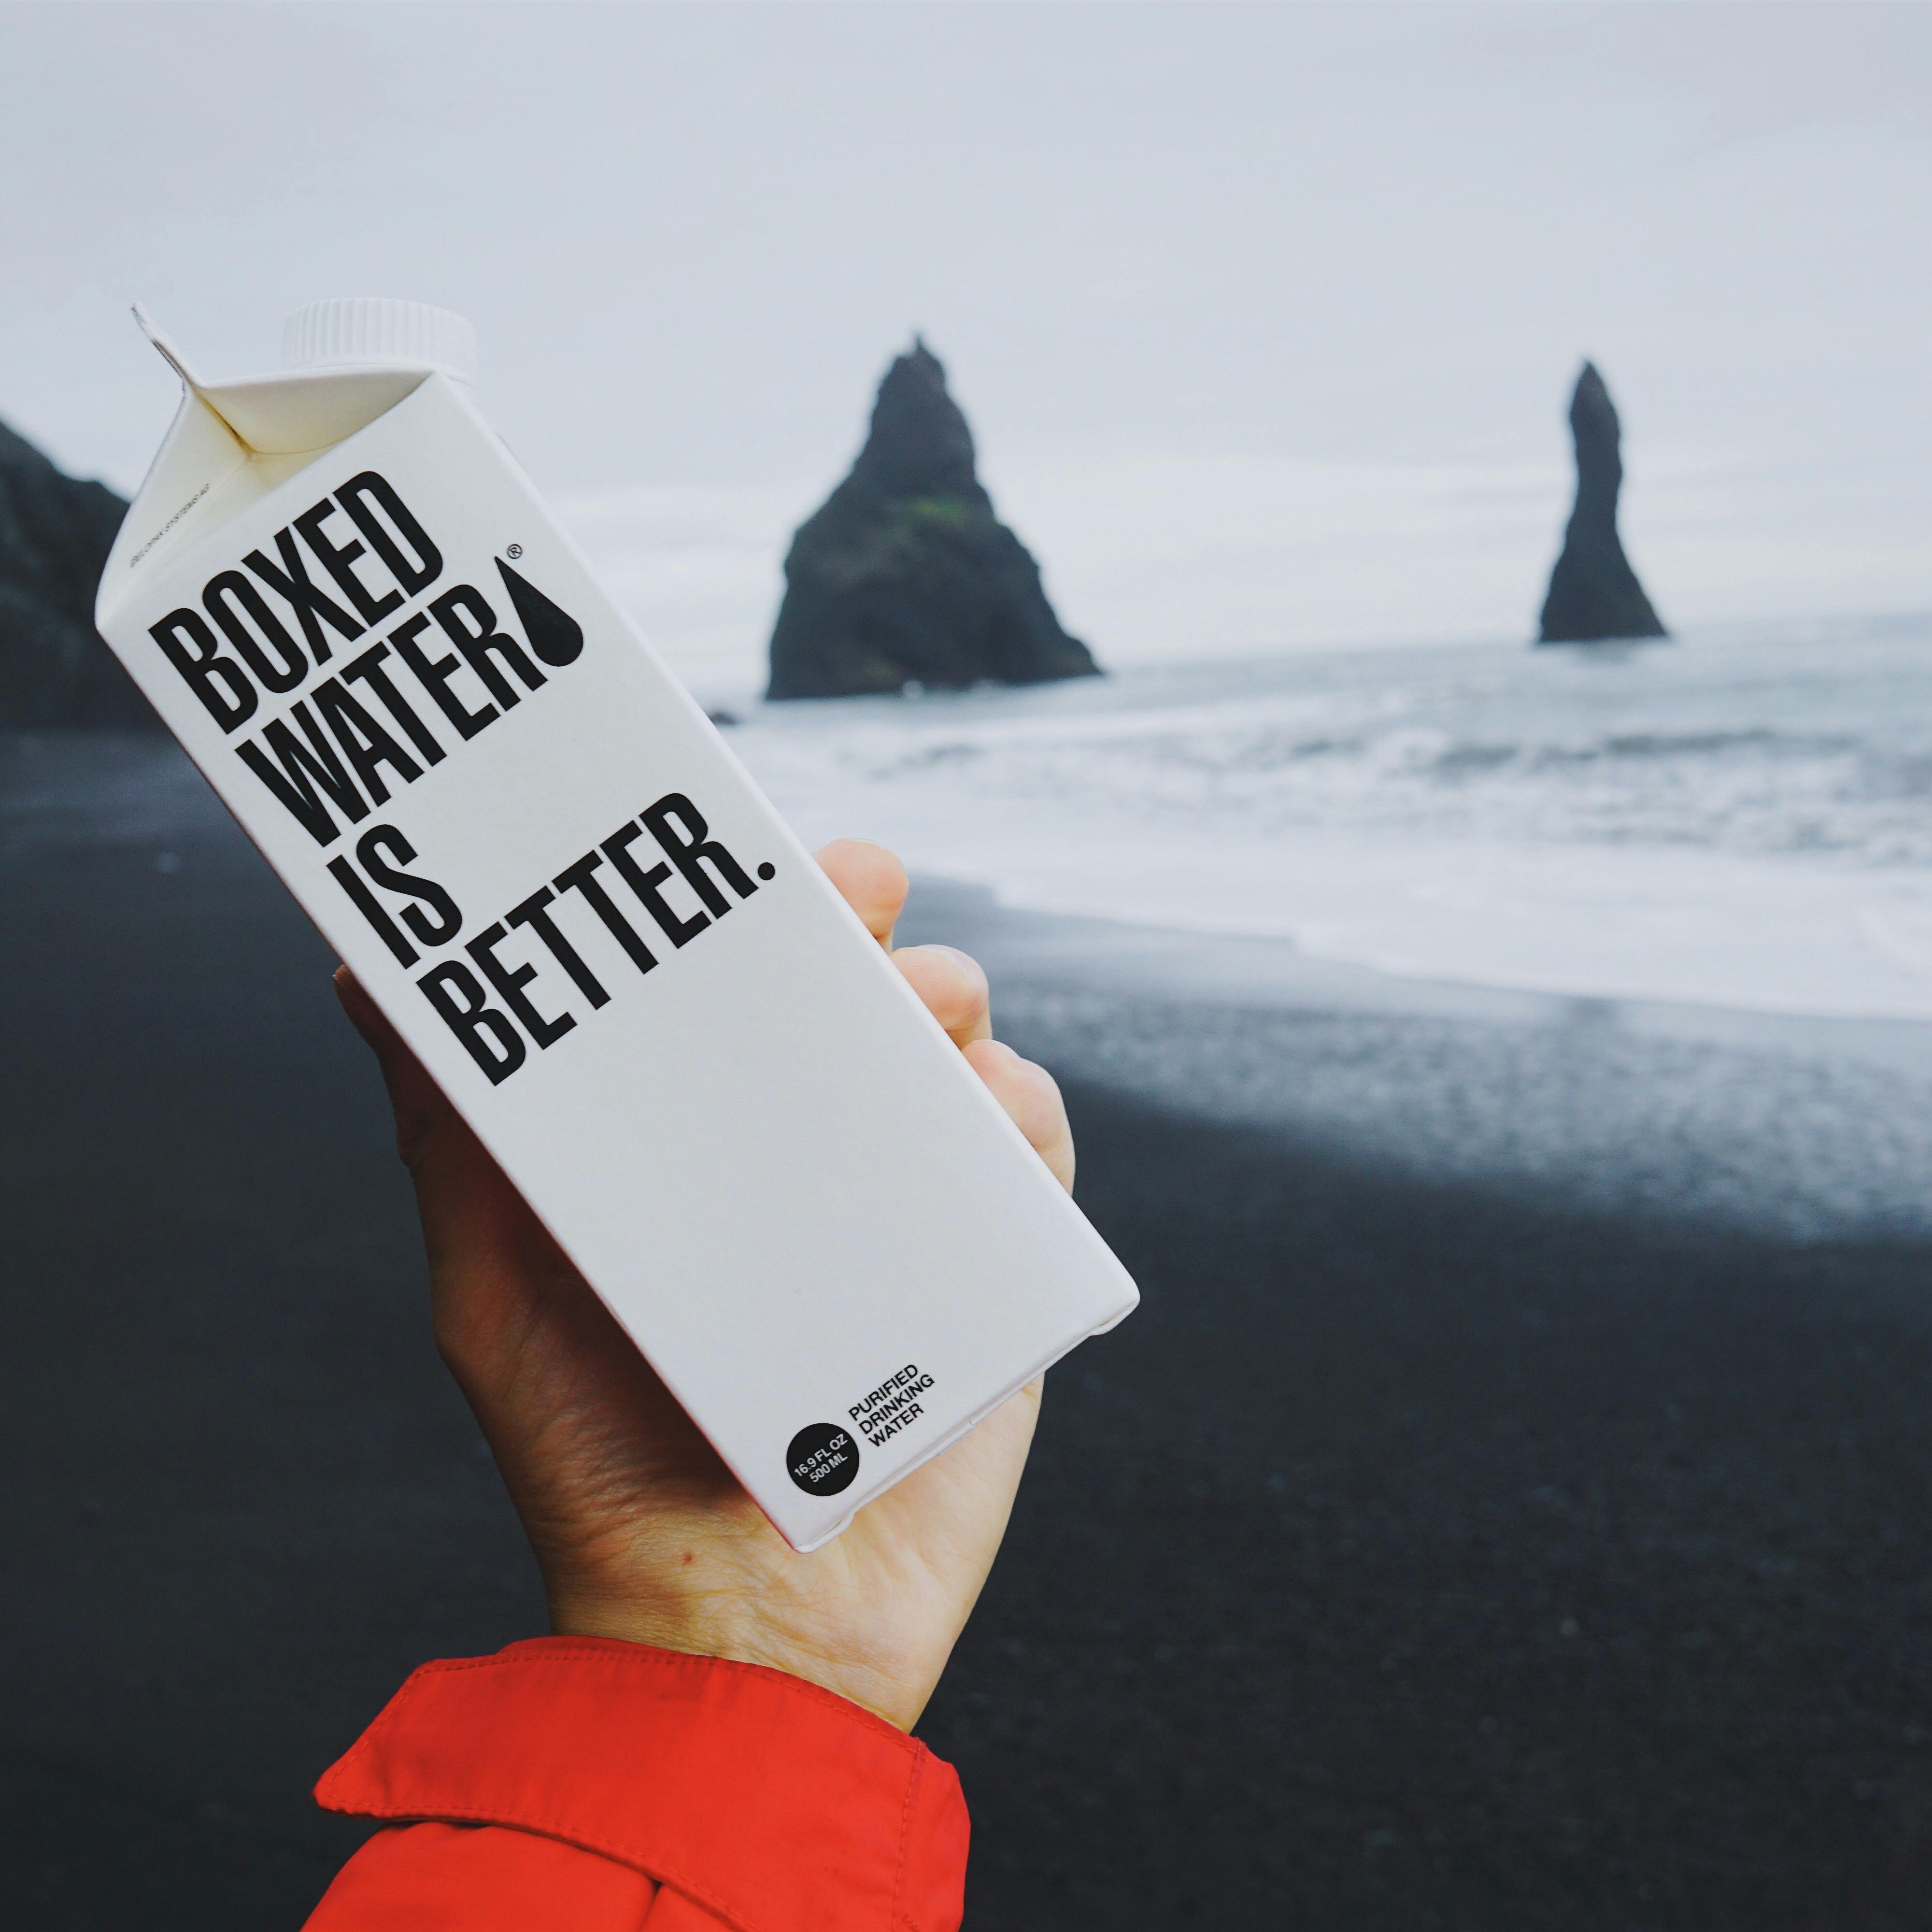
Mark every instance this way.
x=415 y=1131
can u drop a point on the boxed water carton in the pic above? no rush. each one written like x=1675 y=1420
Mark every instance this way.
x=346 y=599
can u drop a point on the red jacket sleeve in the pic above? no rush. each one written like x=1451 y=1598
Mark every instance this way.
x=583 y=1783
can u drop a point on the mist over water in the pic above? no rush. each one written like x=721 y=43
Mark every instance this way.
x=1742 y=818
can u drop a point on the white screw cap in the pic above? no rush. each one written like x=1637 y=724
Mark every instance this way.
x=375 y=328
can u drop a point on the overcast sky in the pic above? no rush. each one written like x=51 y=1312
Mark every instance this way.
x=1264 y=316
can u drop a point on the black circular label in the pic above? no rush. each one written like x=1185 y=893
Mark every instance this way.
x=822 y=1458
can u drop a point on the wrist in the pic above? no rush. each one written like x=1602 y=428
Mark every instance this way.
x=888 y=1687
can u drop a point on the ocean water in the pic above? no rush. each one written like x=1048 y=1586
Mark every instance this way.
x=1740 y=818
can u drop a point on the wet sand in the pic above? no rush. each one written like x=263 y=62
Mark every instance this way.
x=1485 y=1523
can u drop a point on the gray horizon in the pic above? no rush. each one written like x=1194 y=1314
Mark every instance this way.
x=1265 y=317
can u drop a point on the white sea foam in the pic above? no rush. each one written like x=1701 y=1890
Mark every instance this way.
x=1742 y=819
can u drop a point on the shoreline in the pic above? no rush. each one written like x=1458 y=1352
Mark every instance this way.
x=94 y=787
x=1270 y=973
x=1807 y=1127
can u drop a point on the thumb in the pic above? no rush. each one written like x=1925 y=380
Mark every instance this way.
x=473 y=1220
x=416 y=1100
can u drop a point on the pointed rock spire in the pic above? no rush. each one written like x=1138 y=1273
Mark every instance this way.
x=1594 y=593
x=905 y=576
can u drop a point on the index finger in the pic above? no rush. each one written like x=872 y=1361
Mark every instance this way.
x=871 y=880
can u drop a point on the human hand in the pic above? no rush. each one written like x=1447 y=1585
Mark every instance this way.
x=640 y=1530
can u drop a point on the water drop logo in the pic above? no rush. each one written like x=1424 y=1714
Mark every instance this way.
x=555 y=635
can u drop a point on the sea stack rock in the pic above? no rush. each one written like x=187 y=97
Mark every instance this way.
x=905 y=576
x=1594 y=593
x=55 y=535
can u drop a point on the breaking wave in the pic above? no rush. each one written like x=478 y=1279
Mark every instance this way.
x=1743 y=817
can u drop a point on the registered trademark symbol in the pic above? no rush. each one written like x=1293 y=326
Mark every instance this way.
x=516 y=550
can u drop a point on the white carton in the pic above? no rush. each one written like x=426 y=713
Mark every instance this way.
x=345 y=599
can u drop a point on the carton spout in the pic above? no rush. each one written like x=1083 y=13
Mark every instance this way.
x=169 y=354
x=233 y=442
x=305 y=410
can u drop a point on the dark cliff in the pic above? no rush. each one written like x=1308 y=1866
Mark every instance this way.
x=55 y=535
x=1594 y=593
x=905 y=574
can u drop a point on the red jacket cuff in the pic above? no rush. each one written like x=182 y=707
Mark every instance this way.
x=776 y=1806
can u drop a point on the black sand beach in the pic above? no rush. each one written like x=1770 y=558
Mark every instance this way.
x=1464 y=1534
